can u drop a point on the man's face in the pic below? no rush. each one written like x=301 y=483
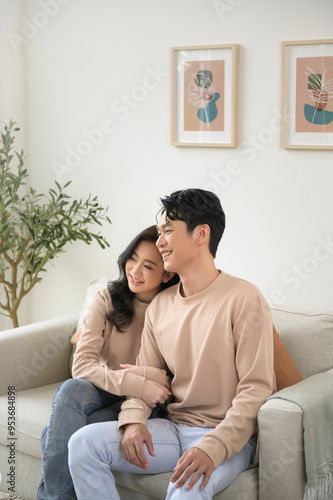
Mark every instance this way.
x=176 y=246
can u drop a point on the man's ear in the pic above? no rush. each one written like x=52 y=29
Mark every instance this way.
x=167 y=276
x=203 y=234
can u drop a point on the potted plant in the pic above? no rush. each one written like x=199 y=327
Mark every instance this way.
x=35 y=227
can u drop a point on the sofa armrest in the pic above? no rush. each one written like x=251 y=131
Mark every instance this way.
x=294 y=446
x=37 y=354
x=291 y=422
x=281 y=451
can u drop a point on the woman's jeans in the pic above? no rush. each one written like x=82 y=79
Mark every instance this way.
x=76 y=403
x=96 y=449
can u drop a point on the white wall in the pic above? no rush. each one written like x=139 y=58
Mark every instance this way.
x=81 y=57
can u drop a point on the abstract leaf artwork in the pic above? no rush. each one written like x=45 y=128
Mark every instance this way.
x=201 y=93
x=306 y=94
x=320 y=91
x=204 y=95
x=314 y=92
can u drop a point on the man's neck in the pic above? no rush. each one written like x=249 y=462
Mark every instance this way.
x=196 y=281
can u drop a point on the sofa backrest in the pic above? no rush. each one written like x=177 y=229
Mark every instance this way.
x=37 y=354
x=307 y=335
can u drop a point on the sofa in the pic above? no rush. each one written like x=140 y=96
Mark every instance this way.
x=36 y=359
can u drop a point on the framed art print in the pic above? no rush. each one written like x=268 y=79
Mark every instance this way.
x=307 y=94
x=204 y=93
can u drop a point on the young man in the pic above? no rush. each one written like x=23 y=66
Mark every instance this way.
x=213 y=334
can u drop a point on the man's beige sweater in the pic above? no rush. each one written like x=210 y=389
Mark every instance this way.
x=218 y=345
x=102 y=348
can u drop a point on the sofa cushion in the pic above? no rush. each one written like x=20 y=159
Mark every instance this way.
x=245 y=487
x=307 y=335
x=284 y=367
x=76 y=336
x=36 y=354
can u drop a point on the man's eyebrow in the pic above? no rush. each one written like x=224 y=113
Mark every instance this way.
x=163 y=226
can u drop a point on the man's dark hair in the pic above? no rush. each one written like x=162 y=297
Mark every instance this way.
x=196 y=207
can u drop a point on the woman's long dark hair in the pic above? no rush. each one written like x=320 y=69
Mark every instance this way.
x=122 y=297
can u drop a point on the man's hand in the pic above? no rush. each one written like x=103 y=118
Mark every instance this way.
x=194 y=461
x=134 y=436
x=153 y=393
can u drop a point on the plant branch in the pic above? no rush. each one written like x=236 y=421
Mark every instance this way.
x=35 y=227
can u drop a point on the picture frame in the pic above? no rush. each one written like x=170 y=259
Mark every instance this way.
x=307 y=94
x=204 y=96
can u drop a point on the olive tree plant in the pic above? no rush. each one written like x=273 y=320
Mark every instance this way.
x=35 y=227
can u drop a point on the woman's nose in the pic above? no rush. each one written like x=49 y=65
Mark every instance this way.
x=137 y=269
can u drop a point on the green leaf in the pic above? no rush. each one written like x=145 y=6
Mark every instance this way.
x=34 y=228
x=31 y=231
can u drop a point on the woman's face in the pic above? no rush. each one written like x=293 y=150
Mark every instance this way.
x=145 y=271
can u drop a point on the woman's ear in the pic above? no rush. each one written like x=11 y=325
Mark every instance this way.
x=167 y=276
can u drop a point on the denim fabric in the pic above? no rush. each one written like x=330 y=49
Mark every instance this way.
x=96 y=449
x=76 y=403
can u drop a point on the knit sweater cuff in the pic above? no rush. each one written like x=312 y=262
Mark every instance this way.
x=156 y=375
x=133 y=416
x=132 y=385
x=216 y=451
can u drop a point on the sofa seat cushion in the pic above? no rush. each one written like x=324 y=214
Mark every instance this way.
x=32 y=413
x=245 y=487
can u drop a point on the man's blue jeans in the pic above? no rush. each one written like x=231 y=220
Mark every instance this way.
x=96 y=449
x=76 y=403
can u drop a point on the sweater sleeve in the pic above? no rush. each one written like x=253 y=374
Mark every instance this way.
x=253 y=340
x=86 y=363
x=136 y=410
x=157 y=375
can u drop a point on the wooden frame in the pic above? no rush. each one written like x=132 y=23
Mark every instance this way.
x=204 y=95
x=307 y=94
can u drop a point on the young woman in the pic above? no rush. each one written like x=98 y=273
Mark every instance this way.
x=103 y=371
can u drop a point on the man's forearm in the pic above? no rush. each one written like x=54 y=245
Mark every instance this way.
x=133 y=410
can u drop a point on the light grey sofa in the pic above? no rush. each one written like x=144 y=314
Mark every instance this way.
x=35 y=359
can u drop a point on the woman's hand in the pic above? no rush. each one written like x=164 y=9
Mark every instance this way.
x=137 y=370
x=153 y=393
